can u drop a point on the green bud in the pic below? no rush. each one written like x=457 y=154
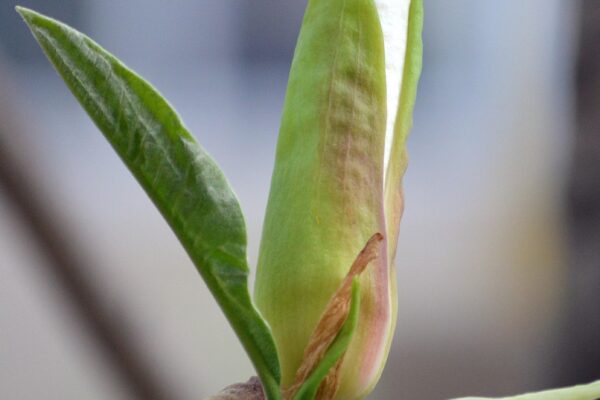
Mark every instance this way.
x=337 y=179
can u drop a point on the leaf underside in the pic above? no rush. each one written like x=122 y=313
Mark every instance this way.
x=178 y=175
x=591 y=391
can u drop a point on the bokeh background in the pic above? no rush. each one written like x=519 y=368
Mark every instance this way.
x=499 y=254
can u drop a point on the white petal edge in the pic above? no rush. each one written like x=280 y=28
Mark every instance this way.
x=393 y=16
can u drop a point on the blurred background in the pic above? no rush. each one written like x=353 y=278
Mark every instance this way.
x=499 y=254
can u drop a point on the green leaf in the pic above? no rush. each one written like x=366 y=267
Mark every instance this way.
x=175 y=171
x=337 y=349
x=590 y=391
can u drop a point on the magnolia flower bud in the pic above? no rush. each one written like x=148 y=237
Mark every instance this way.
x=337 y=179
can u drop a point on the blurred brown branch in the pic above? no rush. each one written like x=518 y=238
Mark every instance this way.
x=580 y=350
x=25 y=194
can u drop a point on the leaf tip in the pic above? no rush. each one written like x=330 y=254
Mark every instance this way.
x=25 y=12
x=28 y=15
